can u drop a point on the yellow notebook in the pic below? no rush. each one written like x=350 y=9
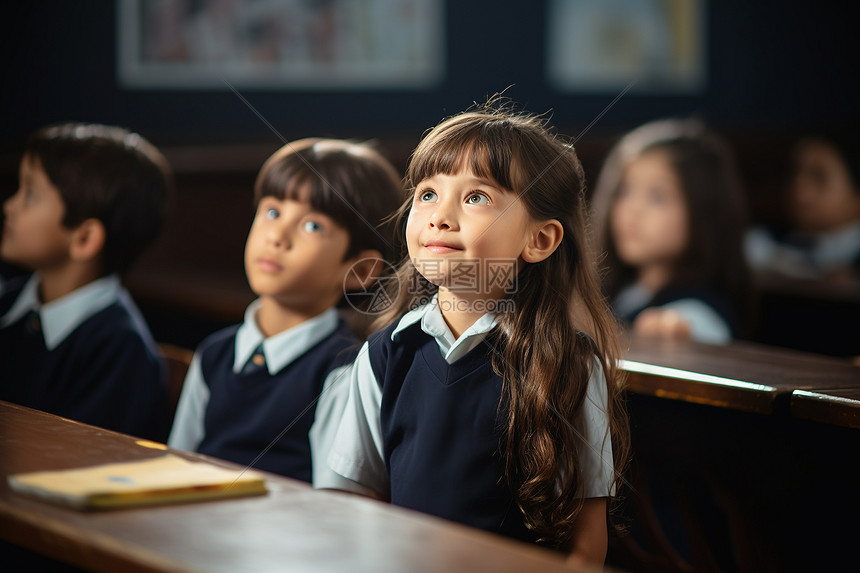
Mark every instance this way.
x=165 y=479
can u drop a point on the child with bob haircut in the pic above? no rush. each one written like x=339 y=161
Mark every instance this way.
x=91 y=199
x=821 y=236
x=669 y=218
x=492 y=397
x=251 y=390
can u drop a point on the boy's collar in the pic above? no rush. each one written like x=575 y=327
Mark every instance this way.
x=283 y=348
x=59 y=318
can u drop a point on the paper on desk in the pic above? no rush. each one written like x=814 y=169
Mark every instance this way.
x=165 y=479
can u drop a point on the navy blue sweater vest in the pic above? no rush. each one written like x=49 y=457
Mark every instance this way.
x=107 y=372
x=253 y=414
x=443 y=431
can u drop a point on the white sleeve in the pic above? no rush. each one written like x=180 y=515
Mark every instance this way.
x=595 y=453
x=356 y=451
x=187 y=431
x=329 y=412
x=706 y=325
x=759 y=248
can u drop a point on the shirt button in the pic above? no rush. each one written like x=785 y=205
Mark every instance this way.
x=258 y=359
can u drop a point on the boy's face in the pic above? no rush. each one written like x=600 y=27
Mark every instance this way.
x=34 y=236
x=295 y=255
x=823 y=197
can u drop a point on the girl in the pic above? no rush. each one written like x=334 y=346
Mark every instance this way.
x=669 y=219
x=492 y=398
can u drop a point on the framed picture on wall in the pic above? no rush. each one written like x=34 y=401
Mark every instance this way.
x=280 y=44
x=655 y=46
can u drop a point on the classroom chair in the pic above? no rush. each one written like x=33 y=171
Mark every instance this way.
x=178 y=360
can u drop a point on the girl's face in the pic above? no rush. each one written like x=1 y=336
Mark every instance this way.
x=466 y=234
x=823 y=197
x=649 y=222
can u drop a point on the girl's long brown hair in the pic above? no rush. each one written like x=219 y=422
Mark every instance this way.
x=541 y=351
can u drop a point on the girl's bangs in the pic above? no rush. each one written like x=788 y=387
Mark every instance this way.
x=485 y=153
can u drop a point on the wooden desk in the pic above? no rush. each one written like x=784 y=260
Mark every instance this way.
x=292 y=528
x=839 y=406
x=811 y=315
x=728 y=471
x=743 y=376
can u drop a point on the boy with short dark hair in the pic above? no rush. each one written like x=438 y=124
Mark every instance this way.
x=91 y=199
x=251 y=394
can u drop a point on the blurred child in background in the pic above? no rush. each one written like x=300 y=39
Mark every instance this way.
x=91 y=199
x=823 y=236
x=669 y=217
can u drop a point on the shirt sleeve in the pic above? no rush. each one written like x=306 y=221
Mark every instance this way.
x=356 y=452
x=706 y=325
x=595 y=453
x=329 y=412
x=187 y=431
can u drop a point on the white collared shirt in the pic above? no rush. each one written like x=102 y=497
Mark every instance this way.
x=59 y=318
x=433 y=323
x=837 y=248
x=282 y=348
x=349 y=455
x=828 y=251
x=279 y=352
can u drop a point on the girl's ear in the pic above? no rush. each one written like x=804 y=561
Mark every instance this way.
x=545 y=239
x=88 y=240
x=363 y=269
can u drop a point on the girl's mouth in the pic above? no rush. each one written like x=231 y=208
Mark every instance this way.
x=441 y=248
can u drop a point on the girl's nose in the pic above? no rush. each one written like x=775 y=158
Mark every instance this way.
x=442 y=219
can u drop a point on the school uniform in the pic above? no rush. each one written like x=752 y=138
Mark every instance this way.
x=88 y=356
x=805 y=255
x=708 y=314
x=251 y=399
x=422 y=424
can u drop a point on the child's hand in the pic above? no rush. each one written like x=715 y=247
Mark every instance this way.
x=664 y=323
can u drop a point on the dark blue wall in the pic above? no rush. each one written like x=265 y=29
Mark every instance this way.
x=768 y=69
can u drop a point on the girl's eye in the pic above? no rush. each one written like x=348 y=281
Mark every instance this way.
x=427 y=196
x=272 y=213
x=312 y=227
x=477 y=199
